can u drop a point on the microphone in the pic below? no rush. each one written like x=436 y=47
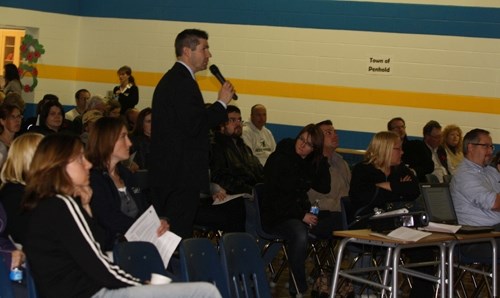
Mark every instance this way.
x=216 y=72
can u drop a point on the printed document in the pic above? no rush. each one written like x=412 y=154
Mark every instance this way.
x=144 y=229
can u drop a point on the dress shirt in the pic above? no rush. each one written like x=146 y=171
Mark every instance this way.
x=474 y=189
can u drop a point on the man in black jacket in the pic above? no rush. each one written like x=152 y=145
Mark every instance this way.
x=178 y=169
x=235 y=170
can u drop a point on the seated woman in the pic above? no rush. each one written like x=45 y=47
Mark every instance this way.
x=381 y=180
x=295 y=167
x=452 y=145
x=114 y=202
x=10 y=124
x=62 y=243
x=13 y=177
x=52 y=119
x=141 y=138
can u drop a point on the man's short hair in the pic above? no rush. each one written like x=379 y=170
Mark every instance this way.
x=232 y=109
x=189 y=38
x=389 y=124
x=430 y=126
x=77 y=94
x=473 y=137
x=324 y=122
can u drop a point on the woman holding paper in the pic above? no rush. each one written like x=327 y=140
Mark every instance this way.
x=381 y=180
x=116 y=202
x=62 y=242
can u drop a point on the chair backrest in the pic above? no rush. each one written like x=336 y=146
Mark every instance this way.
x=245 y=267
x=139 y=258
x=199 y=261
x=5 y=283
x=253 y=226
x=431 y=178
x=347 y=212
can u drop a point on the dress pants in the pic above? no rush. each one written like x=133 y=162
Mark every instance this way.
x=179 y=205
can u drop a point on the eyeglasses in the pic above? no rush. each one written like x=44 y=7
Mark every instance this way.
x=305 y=142
x=236 y=120
x=15 y=117
x=487 y=146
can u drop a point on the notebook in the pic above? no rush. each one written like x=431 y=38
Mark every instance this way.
x=439 y=207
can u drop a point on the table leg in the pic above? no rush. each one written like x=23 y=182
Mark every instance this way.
x=335 y=275
x=395 y=267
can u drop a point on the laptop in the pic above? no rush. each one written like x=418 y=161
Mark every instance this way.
x=440 y=209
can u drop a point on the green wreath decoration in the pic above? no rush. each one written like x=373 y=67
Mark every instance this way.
x=31 y=50
x=33 y=71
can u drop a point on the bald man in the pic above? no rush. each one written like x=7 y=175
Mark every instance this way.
x=257 y=136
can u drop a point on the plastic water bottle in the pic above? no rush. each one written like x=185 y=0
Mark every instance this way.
x=315 y=208
x=16 y=275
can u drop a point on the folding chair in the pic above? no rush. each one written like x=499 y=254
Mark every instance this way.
x=245 y=267
x=269 y=244
x=140 y=259
x=199 y=261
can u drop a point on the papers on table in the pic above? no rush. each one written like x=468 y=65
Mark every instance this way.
x=144 y=229
x=441 y=228
x=403 y=234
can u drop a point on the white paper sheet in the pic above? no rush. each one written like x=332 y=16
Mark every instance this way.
x=442 y=228
x=232 y=197
x=144 y=229
x=404 y=234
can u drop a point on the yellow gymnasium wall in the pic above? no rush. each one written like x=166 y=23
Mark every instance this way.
x=302 y=75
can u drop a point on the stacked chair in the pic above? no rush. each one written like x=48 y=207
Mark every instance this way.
x=199 y=261
x=237 y=270
x=244 y=267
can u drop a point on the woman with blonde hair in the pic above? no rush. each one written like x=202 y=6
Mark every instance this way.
x=452 y=145
x=13 y=177
x=381 y=180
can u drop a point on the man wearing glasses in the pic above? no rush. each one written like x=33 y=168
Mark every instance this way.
x=234 y=170
x=475 y=187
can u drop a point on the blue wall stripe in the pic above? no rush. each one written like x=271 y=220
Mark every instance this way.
x=338 y=15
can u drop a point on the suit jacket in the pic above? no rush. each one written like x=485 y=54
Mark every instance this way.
x=419 y=158
x=179 y=138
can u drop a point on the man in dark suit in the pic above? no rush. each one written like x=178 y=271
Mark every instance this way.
x=178 y=169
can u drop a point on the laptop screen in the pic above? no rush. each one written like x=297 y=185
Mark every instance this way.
x=438 y=203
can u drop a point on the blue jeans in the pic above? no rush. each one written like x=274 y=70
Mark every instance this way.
x=174 y=290
x=295 y=232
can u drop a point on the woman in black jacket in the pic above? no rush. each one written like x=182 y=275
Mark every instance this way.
x=63 y=240
x=115 y=203
x=295 y=167
x=381 y=180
